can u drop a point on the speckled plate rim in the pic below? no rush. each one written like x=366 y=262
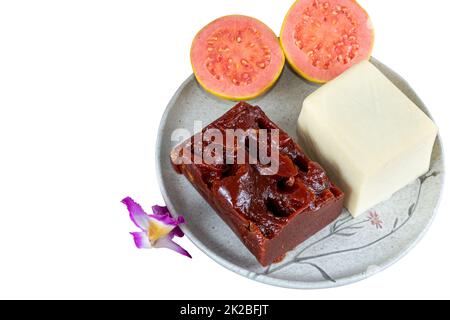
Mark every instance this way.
x=289 y=284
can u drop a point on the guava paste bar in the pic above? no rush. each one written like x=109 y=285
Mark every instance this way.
x=271 y=214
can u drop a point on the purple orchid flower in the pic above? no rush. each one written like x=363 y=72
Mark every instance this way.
x=158 y=229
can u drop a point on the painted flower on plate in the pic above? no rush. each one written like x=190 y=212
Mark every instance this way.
x=375 y=220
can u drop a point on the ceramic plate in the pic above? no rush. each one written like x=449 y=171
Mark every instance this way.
x=348 y=250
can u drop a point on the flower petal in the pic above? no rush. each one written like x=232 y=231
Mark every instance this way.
x=158 y=229
x=137 y=214
x=163 y=214
x=169 y=244
x=160 y=211
x=176 y=232
x=141 y=240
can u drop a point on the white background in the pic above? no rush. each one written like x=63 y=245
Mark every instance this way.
x=83 y=85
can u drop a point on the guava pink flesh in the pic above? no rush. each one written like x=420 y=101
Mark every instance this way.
x=236 y=56
x=323 y=38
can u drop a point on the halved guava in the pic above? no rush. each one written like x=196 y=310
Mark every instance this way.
x=237 y=57
x=323 y=38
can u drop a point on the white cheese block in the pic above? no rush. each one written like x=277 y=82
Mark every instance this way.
x=367 y=134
